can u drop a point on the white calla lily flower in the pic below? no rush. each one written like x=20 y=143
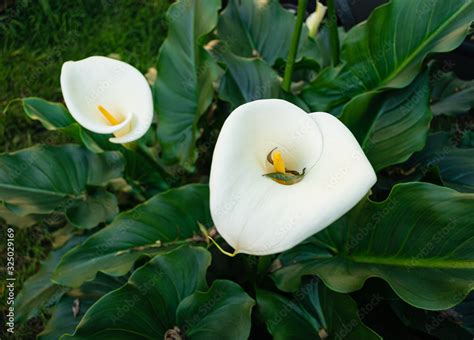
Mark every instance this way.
x=279 y=175
x=314 y=19
x=108 y=96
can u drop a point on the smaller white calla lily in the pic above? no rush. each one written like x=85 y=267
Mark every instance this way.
x=314 y=19
x=108 y=96
x=279 y=175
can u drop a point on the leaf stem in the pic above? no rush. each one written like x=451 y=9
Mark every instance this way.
x=295 y=39
x=221 y=249
x=333 y=33
x=160 y=245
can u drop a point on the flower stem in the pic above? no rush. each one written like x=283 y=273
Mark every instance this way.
x=333 y=33
x=295 y=39
x=221 y=249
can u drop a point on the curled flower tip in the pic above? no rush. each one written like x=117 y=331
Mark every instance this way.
x=222 y=250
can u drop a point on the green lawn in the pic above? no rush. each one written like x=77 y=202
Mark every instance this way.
x=37 y=37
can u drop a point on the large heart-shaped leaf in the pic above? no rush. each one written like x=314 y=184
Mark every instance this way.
x=46 y=179
x=313 y=312
x=391 y=125
x=67 y=313
x=388 y=49
x=162 y=298
x=166 y=217
x=183 y=90
x=451 y=95
x=419 y=240
x=252 y=28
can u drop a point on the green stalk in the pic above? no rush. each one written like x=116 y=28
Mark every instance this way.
x=295 y=39
x=333 y=33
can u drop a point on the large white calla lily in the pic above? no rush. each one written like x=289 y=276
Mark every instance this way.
x=279 y=175
x=108 y=96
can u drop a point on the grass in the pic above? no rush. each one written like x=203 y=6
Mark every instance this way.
x=37 y=37
x=31 y=247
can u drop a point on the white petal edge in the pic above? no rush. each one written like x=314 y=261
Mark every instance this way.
x=258 y=216
x=114 y=84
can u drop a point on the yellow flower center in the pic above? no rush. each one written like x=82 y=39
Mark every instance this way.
x=107 y=115
x=278 y=163
x=282 y=175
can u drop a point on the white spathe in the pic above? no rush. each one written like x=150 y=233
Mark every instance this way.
x=259 y=216
x=314 y=19
x=114 y=85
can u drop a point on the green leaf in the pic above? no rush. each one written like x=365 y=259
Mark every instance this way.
x=451 y=95
x=295 y=321
x=250 y=28
x=442 y=325
x=38 y=291
x=152 y=295
x=162 y=298
x=52 y=116
x=166 y=217
x=407 y=31
x=223 y=312
x=55 y=116
x=100 y=206
x=183 y=90
x=247 y=79
x=467 y=139
x=392 y=125
x=45 y=179
x=323 y=48
x=419 y=240
x=456 y=165
x=9 y=217
x=314 y=312
x=63 y=320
